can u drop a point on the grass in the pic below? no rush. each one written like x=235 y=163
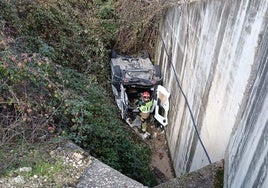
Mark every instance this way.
x=45 y=170
x=219 y=178
x=24 y=154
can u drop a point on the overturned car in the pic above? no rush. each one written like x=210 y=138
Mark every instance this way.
x=132 y=78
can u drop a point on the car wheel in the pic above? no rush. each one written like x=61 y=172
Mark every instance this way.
x=157 y=71
x=117 y=77
x=113 y=54
x=117 y=71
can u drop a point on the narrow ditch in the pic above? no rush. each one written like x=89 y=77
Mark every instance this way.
x=161 y=163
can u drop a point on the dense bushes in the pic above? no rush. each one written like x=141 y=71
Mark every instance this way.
x=96 y=129
x=53 y=64
x=78 y=32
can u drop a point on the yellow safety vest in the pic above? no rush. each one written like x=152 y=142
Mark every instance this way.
x=146 y=107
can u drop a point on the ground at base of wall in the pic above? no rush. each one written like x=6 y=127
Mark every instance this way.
x=161 y=163
x=210 y=176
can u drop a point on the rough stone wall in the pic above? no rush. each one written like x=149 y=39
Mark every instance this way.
x=216 y=47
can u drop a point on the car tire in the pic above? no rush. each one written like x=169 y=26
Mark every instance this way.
x=117 y=77
x=157 y=71
x=117 y=71
x=113 y=54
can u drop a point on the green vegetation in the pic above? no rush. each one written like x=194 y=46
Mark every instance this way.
x=138 y=24
x=54 y=75
x=44 y=168
x=33 y=161
x=71 y=33
x=219 y=178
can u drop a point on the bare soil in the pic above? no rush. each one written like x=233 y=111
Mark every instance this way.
x=161 y=163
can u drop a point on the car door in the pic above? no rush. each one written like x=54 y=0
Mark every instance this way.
x=162 y=105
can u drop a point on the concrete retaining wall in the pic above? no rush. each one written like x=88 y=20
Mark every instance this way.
x=247 y=155
x=219 y=51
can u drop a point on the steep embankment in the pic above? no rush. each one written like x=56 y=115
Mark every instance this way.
x=54 y=79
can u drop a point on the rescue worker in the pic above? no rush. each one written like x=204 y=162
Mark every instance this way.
x=145 y=106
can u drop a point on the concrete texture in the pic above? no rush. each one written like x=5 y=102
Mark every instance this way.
x=99 y=175
x=247 y=154
x=207 y=177
x=217 y=48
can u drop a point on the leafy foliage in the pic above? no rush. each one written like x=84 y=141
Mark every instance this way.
x=95 y=128
x=53 y=66
x=138 y=23
x=77 y=34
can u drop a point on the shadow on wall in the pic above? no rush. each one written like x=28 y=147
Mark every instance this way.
x=219 y=51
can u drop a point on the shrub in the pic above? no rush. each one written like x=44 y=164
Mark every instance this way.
x=94 y=126
x=53 y=59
